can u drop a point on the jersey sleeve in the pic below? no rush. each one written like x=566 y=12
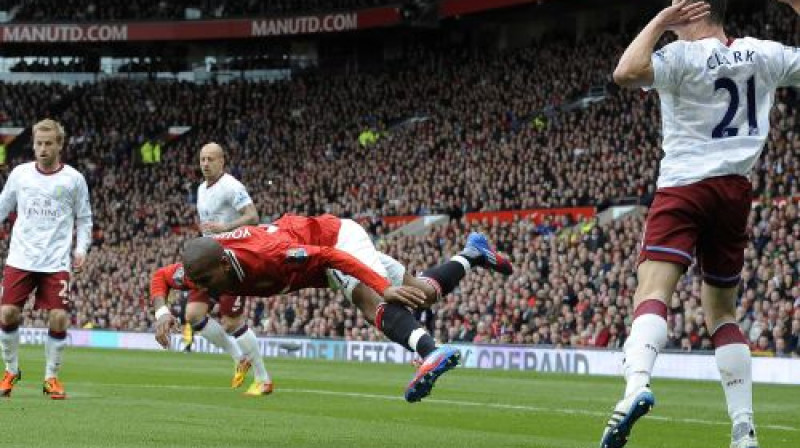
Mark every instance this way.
x=8 y=197
x=240 y=198
x=169 y=277
x=667 y=66
x=307 y=257
x=789 y=71
x=83 y=217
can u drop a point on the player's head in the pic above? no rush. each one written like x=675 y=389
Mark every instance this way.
x=206 y=264
x=715 y=18
x=212 y=161
x=48 y=139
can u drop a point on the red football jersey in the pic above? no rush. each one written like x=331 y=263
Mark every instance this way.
x=277 y=259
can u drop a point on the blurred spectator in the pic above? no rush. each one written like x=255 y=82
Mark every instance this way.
x=478 y=148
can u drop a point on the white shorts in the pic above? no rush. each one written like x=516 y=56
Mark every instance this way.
x=354 y=240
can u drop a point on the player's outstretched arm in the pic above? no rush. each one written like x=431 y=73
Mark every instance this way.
x=160 y=284
x=795 y=4
x=635 y=67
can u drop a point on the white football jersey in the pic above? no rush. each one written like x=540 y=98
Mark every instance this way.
x=222 y=201
x=715 y=104
x=48 y=206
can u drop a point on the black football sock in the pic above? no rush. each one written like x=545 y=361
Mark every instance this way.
x=446 y=276
x=198 y=327
x=399 y=325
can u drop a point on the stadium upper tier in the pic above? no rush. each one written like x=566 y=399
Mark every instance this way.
x=487 y=134
x=93 y=10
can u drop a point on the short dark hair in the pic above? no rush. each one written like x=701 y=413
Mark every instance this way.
x=200 y=254
x=718 y=10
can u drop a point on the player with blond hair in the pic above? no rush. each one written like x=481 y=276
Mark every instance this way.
x=50 y=198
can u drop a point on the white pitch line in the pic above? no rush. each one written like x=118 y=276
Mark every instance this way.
x=503 y=406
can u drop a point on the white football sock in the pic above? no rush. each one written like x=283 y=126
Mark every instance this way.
x=214 y=332
x=9 y=343
x=54 y=352
x=735 y=371
x=648 y=336
x=415 y=336
x=248 y=344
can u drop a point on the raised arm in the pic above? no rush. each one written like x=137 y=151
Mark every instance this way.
x=635 y=67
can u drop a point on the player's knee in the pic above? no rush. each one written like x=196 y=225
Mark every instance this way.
x=58 y=320
x=431 y=293
x=9 y=315
x=195 y=314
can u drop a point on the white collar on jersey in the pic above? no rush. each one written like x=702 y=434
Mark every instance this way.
x=237 y=266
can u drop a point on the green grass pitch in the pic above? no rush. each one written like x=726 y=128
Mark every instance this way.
x=162 y=399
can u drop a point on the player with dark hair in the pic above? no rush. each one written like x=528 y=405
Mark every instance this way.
x=301 y=252
x=716 y=93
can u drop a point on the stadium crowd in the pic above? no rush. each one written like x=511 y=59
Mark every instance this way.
x=93 y=10
x=467 y=135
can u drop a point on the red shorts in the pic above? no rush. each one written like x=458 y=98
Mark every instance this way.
x=707 y=219
x=231 y=306
x=52 y=288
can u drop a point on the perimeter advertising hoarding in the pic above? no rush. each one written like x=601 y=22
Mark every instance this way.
x=524 y=358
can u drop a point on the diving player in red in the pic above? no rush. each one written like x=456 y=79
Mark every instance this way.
x=300 y=252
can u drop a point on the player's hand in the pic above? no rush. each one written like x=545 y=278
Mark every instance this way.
x=213 y=227
x=795 y=4
x=682 y=13
x=164 y=327
x=78 y=260
x=405 y=295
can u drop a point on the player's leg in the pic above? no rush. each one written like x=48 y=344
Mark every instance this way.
x=648 y=336
x=9 y=344
x=203 y=324
x=17 y=285
x=398 y=324
x=668 y=243
x=231 y=309
x=52 y=293
x=441 y=280
x=188 y=332
x=721 y=256
x=734 y=362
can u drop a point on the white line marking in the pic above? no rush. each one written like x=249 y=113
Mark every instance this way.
x=503 y=406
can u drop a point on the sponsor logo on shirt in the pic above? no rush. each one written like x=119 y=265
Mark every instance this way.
x=43 y=208
x=296 y=256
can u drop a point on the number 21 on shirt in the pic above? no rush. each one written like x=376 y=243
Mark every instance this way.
x=722 y=130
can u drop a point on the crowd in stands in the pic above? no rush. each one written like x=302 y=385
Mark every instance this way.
x=94 y=10
x=496 y=134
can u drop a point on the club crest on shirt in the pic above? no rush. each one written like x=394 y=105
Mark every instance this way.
x=296 y=256
x=177 y=277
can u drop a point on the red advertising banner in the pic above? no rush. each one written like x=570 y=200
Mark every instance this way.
x=450 y=8
x=535 y=215
x=201 y=30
